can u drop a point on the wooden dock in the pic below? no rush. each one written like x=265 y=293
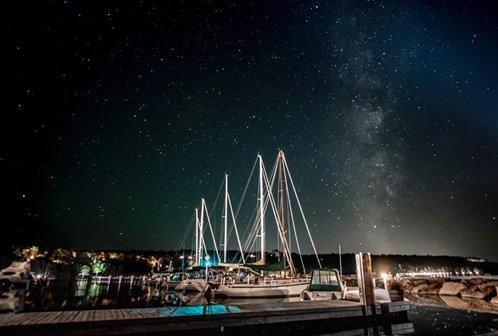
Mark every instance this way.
x=264 y=318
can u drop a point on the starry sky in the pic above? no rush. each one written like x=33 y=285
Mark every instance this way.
x=119 y=116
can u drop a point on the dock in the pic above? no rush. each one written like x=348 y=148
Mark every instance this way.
x=296 y=318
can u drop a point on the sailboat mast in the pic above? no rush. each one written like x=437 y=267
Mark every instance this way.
x=196 y=259
x=282 y=201
x=201 y=230
x=225 y=220
x=261 y=210
x=283 y=189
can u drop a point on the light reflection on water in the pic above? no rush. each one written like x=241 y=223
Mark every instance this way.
x=130 y=291
x=430 y=314
x=96 y=292
x=440 y=315
x=454 y=302
x=120 y=292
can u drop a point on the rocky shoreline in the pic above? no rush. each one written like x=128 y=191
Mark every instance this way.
x=474 y=288
x=470 y=294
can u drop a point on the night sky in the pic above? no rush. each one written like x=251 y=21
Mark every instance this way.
x=119 y=116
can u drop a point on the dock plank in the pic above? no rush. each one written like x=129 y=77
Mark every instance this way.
x=69 y=316
x=34 y=318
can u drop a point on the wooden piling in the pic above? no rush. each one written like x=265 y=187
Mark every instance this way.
x=365 y=279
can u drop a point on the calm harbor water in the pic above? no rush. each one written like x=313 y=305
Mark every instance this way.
x=430 y=315
x=433 y=320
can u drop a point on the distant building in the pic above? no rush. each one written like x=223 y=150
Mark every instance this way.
x=476 y=260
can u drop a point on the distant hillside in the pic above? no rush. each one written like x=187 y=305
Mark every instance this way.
x=407 y=263
x=161 y=260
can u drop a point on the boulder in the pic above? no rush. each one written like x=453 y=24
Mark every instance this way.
x=479 y=292
x=452 y=288
x=455 y=302
x=417 y=282
x=417 y=288
x=475 y=281
x=426 y=289
x=492 y=283
x=408 y=287
x=494 y=300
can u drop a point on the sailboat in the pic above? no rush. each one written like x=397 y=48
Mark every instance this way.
x=200 y=279
x=288 y=283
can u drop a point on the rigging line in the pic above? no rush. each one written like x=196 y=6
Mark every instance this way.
x=245 y=188
x=252 y=237
x=215 y=203
x=230 y=230
x=184 y=238
x=252 y=229
x=248 y=233
x=273 y=178
x=291 y=213
x=212 y=233
x=279 y=225
x=236 y=231
x=302 y=212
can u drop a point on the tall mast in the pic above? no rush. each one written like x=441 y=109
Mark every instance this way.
x=201 y=230
x=196 y=259
x=225 y=220
x=261 y=211
x=282 y=201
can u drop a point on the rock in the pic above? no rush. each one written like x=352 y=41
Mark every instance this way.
x=455 y=302
x=492 y=283
x=452 y=288
x=473 y=295
x=408 y=287
x=426 y=289
x=417 y=282
x=495 y=299
x=475 y=281
x=417 y=288
x=440 y=281
x=479 y=292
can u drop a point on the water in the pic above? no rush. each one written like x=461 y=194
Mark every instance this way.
x=95 y=293
x=432 y=320
x=430 y=315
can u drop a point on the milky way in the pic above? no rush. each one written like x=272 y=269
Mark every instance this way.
x=120 y=117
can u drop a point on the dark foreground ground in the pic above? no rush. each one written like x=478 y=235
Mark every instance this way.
x=431 y=320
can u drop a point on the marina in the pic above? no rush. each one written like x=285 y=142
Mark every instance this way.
x=258 y=318
x=321 y=310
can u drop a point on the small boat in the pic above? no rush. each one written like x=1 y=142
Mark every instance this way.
x=191 y=285
x=196 y=280
x=167 y=281
x=325 y=284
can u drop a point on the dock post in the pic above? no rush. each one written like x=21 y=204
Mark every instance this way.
x=365 y=279
x=366 y=286
x=384 y=308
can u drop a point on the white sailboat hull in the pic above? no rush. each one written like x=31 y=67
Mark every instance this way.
x=288 y=288
x=191 y=285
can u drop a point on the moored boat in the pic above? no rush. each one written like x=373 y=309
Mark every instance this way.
x=290 y=283
x=266 y=288
x=326 y=284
